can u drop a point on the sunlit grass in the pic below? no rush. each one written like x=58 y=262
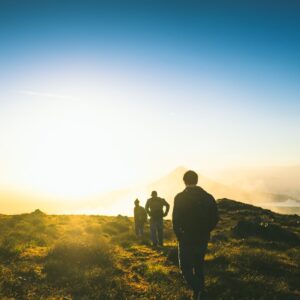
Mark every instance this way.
x=96 y=257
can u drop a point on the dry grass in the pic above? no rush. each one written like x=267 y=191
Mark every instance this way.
x=93 y=257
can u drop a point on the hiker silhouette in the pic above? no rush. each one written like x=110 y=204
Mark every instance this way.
x=140 y=218
x=155 y=209
x=195 y=214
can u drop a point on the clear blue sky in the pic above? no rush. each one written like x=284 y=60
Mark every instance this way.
x=168 y=83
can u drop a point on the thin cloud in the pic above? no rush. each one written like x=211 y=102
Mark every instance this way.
x=47 y=95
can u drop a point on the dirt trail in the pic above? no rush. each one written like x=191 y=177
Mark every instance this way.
x=143 y=267
x=134 y=262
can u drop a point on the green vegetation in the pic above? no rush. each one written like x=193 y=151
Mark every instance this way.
x=253 y=254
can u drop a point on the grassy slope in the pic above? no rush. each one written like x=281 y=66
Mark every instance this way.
x=96 y=257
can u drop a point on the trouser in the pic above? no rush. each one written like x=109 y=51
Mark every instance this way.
x=156 y=230
x=191 y=261
x=139 y=229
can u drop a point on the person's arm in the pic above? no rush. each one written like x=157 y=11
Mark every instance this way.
x=214 y=215
x=176 y=220
x=167 y=205
x=144 y=215
x=147 y=207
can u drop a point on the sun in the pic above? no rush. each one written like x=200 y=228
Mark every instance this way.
x=72 y=149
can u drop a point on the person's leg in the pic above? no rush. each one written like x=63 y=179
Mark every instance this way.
x=199 y=264
x=153 y=232
x=160 y=232
x=140 y=230
x=186 y=258
x=136 y=226
x=156 y=230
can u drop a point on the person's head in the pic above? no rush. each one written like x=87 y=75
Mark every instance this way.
x=190 y=178
x=137 y=202
x=154 y=194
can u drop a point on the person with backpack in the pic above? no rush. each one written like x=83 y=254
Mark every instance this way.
x=140 y=218
x=155 y=209
x=195 y=215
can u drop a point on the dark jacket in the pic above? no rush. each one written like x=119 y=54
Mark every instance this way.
x=140 y=215
x=155 y=208
x=195 y=214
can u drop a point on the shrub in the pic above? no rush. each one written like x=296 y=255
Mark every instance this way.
x=84 y=269
x=94 y=229
x=9 y=250
x=115 y=227
x=266 y=231
x=125 y=239
x=68 y=259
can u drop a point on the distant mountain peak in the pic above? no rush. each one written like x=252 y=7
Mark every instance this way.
x=179 y=169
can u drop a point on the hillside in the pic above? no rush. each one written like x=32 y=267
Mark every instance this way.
x=253 y=254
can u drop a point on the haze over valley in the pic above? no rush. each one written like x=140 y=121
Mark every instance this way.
x=273 y=193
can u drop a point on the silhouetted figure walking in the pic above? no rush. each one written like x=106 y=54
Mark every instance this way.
x=195 y=214
x=155 y=209
x=140 y=218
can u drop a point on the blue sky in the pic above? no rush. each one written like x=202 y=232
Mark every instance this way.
x=204 y=85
